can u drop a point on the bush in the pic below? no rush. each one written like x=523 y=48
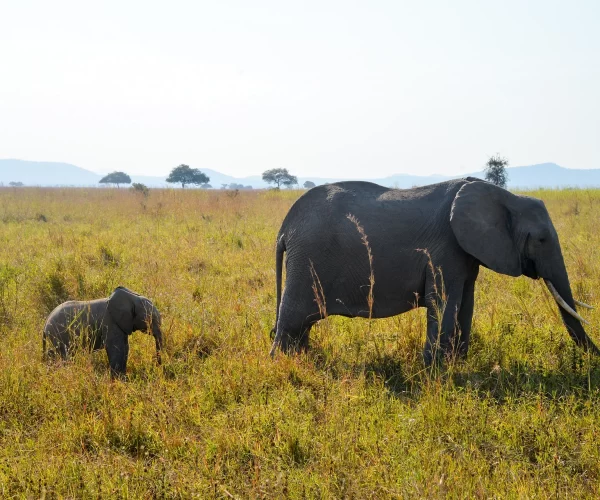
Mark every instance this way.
x=138 y=187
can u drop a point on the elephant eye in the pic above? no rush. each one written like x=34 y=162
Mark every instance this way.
x=542 y=240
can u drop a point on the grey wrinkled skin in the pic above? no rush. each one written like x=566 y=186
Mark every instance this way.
x=461 y=224
x=103 y=323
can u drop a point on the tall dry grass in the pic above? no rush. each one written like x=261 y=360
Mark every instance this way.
x=356 y=416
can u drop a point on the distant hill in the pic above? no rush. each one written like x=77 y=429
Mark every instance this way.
x=217 y=179
x=551 y=175
x=546 y=175
x=33 y=173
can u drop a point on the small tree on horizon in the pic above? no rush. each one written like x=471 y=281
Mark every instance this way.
x=309 y=184
x=183 y=175
x=116 y=178
x=495 y=170
x=279 y=176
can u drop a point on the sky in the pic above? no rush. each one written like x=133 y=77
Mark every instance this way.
x=323 y=88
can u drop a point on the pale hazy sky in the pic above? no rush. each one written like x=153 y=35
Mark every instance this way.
x=324 y=88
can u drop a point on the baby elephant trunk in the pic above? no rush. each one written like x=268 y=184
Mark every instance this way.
x=158 y=338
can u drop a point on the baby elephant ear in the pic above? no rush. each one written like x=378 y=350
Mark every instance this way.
x=121 y=309
x=482 y=223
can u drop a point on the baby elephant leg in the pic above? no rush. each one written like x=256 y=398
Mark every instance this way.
x=117 y=349
x=55 y=343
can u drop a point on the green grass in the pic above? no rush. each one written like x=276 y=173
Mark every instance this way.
x=355 y=417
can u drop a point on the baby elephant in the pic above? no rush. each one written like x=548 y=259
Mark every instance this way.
x=103 y=323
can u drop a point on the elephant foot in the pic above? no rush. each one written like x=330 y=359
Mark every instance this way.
x=119 y=376
x=435 y=358
x=291 y=344
x=462 y=353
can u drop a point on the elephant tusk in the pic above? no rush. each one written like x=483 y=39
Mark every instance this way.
x=561 y=302
x=583 y=304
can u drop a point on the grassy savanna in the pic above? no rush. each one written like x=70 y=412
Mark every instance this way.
x=355 y=417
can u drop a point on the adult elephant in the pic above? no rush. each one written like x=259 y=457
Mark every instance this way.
x=103 y=323
x=456 y=225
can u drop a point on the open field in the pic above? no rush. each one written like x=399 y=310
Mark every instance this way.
x=356 y=417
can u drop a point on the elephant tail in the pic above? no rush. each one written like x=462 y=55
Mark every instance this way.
x=280 y=249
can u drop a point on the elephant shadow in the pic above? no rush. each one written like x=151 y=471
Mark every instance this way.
x=522 y=378
x=516 y=378
x=387 y=368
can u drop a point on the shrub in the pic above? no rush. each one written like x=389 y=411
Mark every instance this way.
x=138 y=187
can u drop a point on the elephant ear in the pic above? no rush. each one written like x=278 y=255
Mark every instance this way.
x=121 y=309
x=482 y=223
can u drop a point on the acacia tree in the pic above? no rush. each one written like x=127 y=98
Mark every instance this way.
x=279 y=176
x=116 y=178
x=495 y=170
x=308 y=184
x=183 y=174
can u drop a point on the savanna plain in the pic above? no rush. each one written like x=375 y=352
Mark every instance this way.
x=357 y=416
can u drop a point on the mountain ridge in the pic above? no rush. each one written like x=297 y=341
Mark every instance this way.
x=546 y=175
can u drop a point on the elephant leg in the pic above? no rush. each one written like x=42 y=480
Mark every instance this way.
x=57 y=346
x=441 y=323
x=465 y=318
x=117 y=349
x=293 y=333
x=296 y=318
x=63 y=350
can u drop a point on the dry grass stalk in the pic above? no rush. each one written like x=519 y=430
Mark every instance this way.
x=317 y=289
x=365 y=241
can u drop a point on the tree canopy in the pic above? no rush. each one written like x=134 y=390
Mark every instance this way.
x=184 y=175
x=280 y=177
x=116 y=178
x=495 y=170
x=309 y=184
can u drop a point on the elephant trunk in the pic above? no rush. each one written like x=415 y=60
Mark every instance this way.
x=561 y=291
